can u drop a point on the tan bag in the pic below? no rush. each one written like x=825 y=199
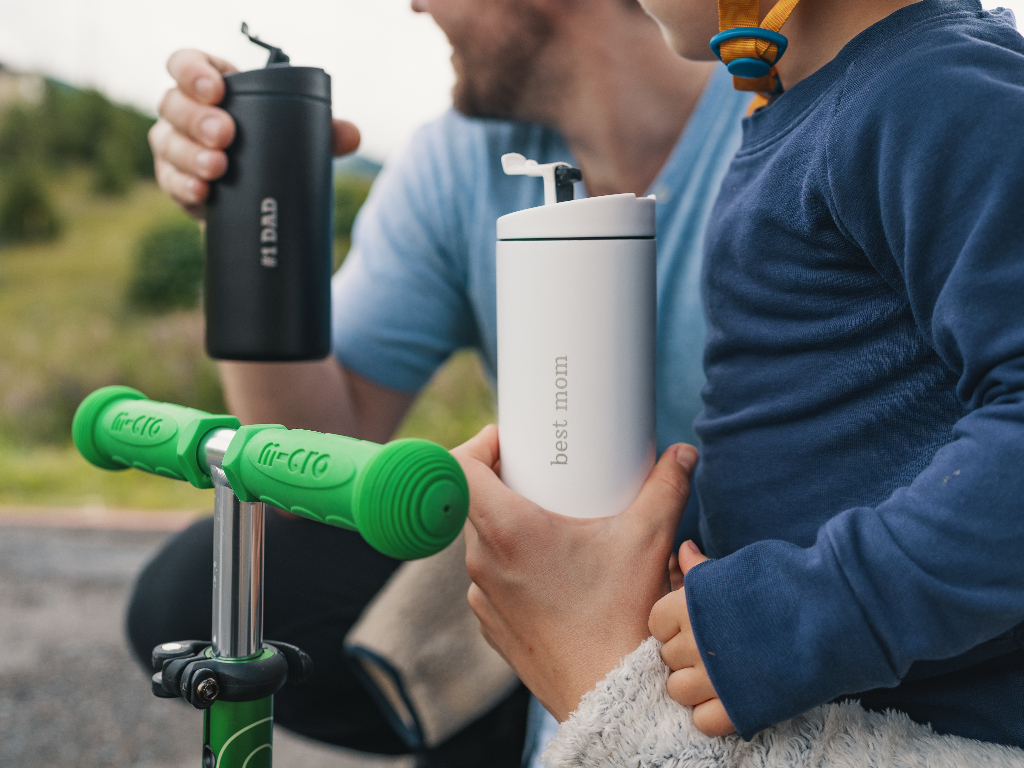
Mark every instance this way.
x=418 y=650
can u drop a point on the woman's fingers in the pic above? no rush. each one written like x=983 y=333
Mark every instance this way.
x=675 y=573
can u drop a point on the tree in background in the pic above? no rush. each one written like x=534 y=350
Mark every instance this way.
x=167 y=272
x=26 y=213
x=81 y=126
x=68 y=127
x=350 y=192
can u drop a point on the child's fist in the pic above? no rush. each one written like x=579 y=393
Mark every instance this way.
x=688 y=683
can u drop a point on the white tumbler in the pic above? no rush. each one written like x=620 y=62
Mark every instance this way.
x=576 y=346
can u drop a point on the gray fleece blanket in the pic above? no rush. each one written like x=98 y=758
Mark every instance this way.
x=629 y=721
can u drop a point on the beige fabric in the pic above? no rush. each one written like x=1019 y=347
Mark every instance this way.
x=421 y=624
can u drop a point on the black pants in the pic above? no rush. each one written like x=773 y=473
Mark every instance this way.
x=318 y=580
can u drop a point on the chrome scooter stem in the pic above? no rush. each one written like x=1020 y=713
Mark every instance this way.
x=237 y=561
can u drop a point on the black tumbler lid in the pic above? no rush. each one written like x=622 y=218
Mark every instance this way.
x=283 y=80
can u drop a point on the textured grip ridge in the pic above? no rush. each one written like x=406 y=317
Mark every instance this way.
x=408 y=498
x=119 y=427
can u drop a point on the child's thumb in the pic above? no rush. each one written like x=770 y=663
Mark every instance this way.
x=689 y=556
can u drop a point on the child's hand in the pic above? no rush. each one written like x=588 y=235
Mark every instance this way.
x=689 y=683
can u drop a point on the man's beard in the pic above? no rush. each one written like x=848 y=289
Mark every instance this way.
x=491 y=81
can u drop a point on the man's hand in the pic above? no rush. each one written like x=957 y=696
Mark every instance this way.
x=689 y=683
x=189 y=139
x=564 y=599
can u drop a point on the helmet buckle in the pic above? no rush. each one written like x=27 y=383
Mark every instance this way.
x=746 y=67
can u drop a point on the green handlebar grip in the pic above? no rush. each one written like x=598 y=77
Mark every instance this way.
x=119 y=427
x=408 y=498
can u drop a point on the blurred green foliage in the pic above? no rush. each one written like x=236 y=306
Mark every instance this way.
x=350 y=192
x=67 y=328
x=114 y=171
x=66 y=304
x=26 y=211
x=167 y=270
x=349 y=195
x=456 y=404
x=73 y=127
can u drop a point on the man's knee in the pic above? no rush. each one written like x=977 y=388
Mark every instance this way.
x=172 y=595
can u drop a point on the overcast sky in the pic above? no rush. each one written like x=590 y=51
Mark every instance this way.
x=389 y=66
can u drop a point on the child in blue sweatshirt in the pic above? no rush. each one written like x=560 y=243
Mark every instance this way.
x=861 y=478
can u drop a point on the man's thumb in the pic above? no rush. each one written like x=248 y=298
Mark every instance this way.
x=689 y=556
x=345 y=137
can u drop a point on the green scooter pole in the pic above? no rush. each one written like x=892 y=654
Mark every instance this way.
x=408 y=499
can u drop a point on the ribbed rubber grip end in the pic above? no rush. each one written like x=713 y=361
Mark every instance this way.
x=83 y=426
x=410 y=500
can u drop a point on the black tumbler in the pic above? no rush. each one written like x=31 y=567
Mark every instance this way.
x=269 y=220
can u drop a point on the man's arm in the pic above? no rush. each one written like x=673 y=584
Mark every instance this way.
x=320 y=395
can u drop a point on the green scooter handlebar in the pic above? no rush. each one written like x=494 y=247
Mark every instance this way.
x=407 y=498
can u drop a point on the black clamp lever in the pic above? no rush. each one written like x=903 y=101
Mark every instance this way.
x=565 y=177
x=188 y=669
x=277 y=56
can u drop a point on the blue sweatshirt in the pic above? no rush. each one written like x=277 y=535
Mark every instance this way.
x=862 y=474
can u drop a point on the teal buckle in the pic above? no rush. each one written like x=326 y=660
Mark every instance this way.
x=750 y=69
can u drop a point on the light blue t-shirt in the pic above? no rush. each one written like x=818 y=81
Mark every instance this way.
x=419 y=283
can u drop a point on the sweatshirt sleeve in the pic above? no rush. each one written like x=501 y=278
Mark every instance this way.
x=929 y=183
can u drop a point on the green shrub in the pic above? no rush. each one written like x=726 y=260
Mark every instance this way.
x=47 y=417
x=73 y=126
x=21 y=137
x=349 y=195
x=77 y=122
x=115 y=170
x=26 y=213
x=168 y=268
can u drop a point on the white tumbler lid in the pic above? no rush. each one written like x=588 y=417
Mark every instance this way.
x=609 y=216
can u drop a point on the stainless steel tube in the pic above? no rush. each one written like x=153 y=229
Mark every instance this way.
x=237 y=562
x=215 y=445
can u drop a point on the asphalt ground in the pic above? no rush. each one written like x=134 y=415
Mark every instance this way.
x=70 y=693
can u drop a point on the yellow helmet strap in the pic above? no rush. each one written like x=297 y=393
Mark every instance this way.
x=751 y=50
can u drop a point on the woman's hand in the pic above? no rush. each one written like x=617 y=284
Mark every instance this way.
x=564 y=599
